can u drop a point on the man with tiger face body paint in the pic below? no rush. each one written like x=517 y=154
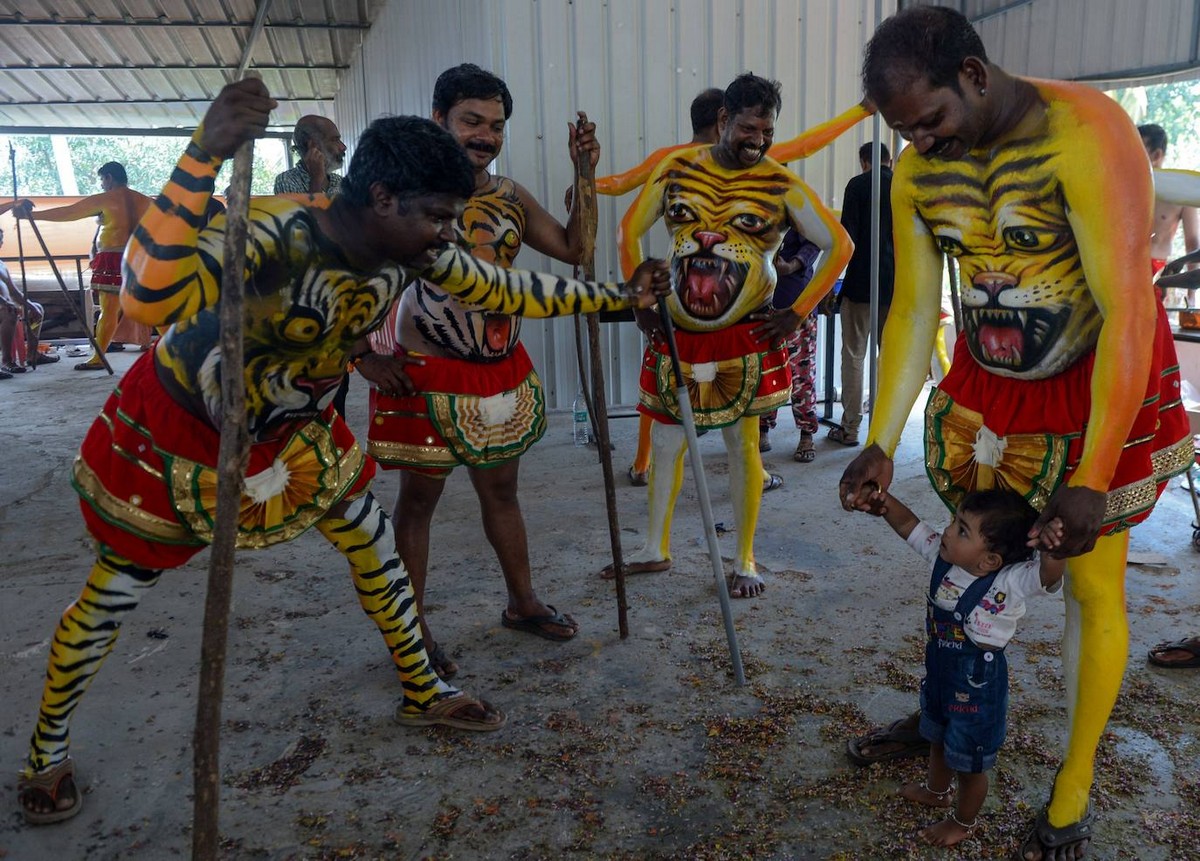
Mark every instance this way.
x=319 y=278
x=1064 y=385
x=461 y=389
x=726 y=207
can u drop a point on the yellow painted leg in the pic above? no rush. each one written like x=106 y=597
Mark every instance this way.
x=110 y=316
x=363 y=534
x=668 y=444
x=745 y=488
x=1095 y=649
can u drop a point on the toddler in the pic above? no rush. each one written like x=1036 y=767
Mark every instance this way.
x=984 y=568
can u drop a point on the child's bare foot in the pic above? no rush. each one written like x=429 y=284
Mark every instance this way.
x=948 y=832
x=922 y=794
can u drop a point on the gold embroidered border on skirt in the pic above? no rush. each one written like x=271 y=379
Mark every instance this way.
x=1125 y=502
x=124 y=513
x=409 y=454
x=313 y=476
x=489 y=430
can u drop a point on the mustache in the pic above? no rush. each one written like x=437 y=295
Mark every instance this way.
x=482 y=147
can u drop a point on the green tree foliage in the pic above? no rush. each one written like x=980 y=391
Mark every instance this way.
x=148 y=161
x=1172 y=106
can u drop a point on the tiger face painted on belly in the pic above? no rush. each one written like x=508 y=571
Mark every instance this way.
x=1027 y=309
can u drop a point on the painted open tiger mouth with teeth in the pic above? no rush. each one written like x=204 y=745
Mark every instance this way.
x=1010 y=338
x=707 y=285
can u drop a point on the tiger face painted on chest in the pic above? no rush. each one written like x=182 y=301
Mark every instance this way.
x=302 y=318
x=1027 y=309
x=433 y=321
x=725 y=229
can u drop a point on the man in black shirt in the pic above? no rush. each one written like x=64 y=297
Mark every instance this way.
x=855 y=296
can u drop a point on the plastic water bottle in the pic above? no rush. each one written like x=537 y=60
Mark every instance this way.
x=579 y=423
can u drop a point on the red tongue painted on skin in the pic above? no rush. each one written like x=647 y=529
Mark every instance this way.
x=1001 y=341
x=496 y=331
x=703 y=284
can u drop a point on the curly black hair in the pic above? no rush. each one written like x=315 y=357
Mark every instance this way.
x=704 y=109
x=412 y=157
x=748 y=90
x=468 y=81
x=116 y=170
x=1004 y=519
x=920 y=40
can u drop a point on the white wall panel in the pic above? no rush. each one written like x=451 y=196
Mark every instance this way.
x=634 y=67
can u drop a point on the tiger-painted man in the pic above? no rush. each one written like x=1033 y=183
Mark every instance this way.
x=117 y=209
x=726 y=207
x=704 y=110
x=1064 y=385
x=463 y=390
x=317 y=281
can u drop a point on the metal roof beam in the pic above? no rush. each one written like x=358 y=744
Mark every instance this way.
x=1000 y=10
x=181 y=101
x=20 y=21
x=78 y=131
x=178 y=67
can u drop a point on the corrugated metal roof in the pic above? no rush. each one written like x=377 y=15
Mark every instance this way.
x=1109 y=42
x=155 y=64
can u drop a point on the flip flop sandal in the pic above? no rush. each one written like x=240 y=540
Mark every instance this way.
x=910 y=741
x=447 y=711
x=536 y=624
x=638 y=479
x=839 y=435
x=52 y=784
x=89 y=366
x=1043 y=835
x=1190 y=645
x=5 y=375
x=805 y=452
x=12 y=368
x=775 y=482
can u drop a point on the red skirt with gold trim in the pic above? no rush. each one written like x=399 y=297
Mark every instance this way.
x=106 y=271
x=480 y=414
x=729 y=375
x=983 y=430
x=146 y=476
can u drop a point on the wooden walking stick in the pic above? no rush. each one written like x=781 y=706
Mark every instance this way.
x=87 y=326
x=231 y=466
x=598 y=403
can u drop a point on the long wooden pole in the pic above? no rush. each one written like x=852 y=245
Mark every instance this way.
x=598 y=403
x=231 y=466
x=12 y=158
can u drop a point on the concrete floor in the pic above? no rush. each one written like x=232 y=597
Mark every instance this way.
x=636 y=748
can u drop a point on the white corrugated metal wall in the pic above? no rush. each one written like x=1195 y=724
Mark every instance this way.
x=634 y=66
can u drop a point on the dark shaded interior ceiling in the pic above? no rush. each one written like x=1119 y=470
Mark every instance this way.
x=134 y=65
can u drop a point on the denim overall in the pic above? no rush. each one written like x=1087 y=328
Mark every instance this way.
x=964 y=697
